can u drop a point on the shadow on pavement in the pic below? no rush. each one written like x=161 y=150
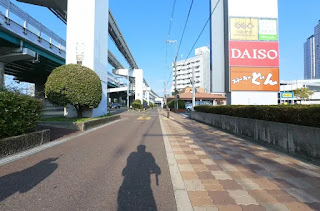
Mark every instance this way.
x=23 y=181
x=135 y=192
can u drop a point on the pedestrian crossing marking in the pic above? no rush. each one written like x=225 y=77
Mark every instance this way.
x=144 y=118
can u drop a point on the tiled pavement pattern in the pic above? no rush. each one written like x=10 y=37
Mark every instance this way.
x=224 y=172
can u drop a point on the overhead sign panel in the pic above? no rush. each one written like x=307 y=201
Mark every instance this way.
x=254 y=54
x=268 y=30
x=254 y=79
x=244 y=28
x=253 y=8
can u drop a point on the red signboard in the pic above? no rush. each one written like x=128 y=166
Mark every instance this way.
x=254 y=54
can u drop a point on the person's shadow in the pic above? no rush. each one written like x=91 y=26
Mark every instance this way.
x=25 y=180
x=135 y=192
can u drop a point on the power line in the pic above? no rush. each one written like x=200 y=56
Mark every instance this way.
x=168 y=37
x=171 y=19
x=184 y=28
x=202 y=30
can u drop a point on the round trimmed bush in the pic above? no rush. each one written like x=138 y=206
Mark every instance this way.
x=18 y=113
x=76 y=85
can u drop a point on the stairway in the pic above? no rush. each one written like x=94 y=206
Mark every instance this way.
x=50 y=110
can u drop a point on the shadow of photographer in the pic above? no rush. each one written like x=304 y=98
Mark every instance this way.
x=135 y=192
x=23 y=181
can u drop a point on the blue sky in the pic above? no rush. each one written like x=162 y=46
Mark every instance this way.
x=145 y=24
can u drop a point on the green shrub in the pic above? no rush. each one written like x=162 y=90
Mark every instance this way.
x=136 y=105
x=181 y=104
x=137 y=101
x=308 y=115
x=18 y=113
x=76 y=85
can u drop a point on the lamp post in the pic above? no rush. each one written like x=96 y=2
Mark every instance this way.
x=175 y=75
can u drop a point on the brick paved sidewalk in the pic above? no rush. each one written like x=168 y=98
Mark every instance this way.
x=224 y=172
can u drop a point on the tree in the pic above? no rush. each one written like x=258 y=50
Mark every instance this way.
x=302 y=93
x=76 y=85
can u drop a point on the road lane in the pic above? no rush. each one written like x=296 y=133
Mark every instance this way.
x=86 y=173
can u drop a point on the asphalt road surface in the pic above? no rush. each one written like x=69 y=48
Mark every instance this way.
x=122 y=166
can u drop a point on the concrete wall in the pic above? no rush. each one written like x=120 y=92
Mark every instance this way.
x=82 y=126
x=23 y=142
x=293 y=139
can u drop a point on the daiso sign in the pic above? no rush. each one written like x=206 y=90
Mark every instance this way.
x=254 y=54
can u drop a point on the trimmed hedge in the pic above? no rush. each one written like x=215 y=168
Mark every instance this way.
x=181 y=104
x=18 y=113
x=76 y=85
x=307 y=115
x=137 y=105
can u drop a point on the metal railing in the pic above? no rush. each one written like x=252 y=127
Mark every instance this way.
x=13 y=13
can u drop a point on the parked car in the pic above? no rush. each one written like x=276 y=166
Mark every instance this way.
x=115 y=105
x=189 y=106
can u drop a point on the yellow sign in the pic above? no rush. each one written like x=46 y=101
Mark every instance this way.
x=286 y=95
x=244 y=29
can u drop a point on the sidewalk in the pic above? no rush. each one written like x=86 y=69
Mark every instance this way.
x=224 y=172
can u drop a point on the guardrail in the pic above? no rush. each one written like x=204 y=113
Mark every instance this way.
x=11 y=12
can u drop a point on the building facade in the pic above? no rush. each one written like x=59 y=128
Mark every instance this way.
x=312 y=55
x=317 y=49
x=309 y=58
x=201 y=65
x=289 y=86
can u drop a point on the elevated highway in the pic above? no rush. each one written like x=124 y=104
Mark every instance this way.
x=30 y=51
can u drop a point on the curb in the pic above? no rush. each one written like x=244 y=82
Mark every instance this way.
x=180 y=192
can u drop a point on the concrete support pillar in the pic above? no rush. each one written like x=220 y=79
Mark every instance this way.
x=120 y=100
x=39 y=89
x=2 y=82
x=87 y=37
x=138 y=74
x=148 y=96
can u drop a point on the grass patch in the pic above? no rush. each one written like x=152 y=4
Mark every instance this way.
x=67 y=119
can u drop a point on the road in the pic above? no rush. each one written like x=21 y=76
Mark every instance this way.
x=107 y=169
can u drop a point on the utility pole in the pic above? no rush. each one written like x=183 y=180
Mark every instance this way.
x=175 y=75
x=165 y=92
x=193 y=90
